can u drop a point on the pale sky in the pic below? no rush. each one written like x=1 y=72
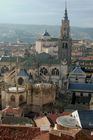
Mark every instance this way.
x=48 y=12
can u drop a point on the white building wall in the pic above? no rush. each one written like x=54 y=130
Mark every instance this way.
x=46 y=46
x=76 y=116
x=38 y=46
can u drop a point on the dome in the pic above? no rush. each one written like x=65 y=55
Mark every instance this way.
x=46 y=34
x=67 y=121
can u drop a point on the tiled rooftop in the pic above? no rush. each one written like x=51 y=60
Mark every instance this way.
x=86 y=58
x=87 y=87
x=18 y=132
x=42 y=136
x=78 y=71
x=53 y=117
x=16 y=120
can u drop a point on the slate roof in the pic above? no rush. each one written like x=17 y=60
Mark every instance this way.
x=46 y=33
x=78 y=71
x=86 y=87
x=86 y=118
x=23 y=73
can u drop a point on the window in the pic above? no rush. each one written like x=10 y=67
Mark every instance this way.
x=81 y=94
x=20 y=81
x=12 y=98
x=76 y=78
x=65 y=45
x=55 y=72
x=21 y=99
x=43 y=71
x=4 y=69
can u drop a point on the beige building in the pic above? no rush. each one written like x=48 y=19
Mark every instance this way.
x=35 y=96
x=42 y=95
x=13 y=97
x=47 y=44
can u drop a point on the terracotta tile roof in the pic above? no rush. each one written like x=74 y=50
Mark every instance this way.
x=42 y=136
x=11 y=111
x=18 y=132
x=53 y=117
x=74 y=134
x=86 y=58
x=66 y=113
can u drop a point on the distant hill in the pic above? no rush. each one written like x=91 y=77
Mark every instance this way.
x=29 y=33
x=82 y=33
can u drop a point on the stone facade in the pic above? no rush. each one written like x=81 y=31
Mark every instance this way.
x=54 y=73
x=41 y=95
x=65 y=41
x=47 y=44
x=36 y=96
x=13 y=97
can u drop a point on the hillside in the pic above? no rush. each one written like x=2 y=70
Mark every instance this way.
x=29 y=33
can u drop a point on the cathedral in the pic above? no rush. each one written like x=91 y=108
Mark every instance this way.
x=58 y=47
x=60 y=50
x=28 y=86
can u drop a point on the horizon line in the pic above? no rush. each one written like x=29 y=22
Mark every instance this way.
x=43 y=25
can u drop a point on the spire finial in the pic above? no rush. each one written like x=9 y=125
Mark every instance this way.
x=65 y=4
x=66 y=14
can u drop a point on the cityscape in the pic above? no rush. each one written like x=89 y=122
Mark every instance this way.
x=46 y=77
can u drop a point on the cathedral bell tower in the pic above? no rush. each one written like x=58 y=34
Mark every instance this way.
x=65 y=41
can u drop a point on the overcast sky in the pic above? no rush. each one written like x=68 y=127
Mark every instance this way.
x=49 y=12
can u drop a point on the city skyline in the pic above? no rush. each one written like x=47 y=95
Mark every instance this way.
x=46 y=12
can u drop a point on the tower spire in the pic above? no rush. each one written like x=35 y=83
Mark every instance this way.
x=65 y=4
x=66 y=14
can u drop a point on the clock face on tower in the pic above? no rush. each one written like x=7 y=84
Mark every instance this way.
x=66 y=24
x=64 y=62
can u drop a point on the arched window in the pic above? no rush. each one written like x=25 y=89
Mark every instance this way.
x=4 y=69
x=20 y=81
x=55 y=72
x=43 y=71
x=12 y=99
x=21 y=99
x=65 y=45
